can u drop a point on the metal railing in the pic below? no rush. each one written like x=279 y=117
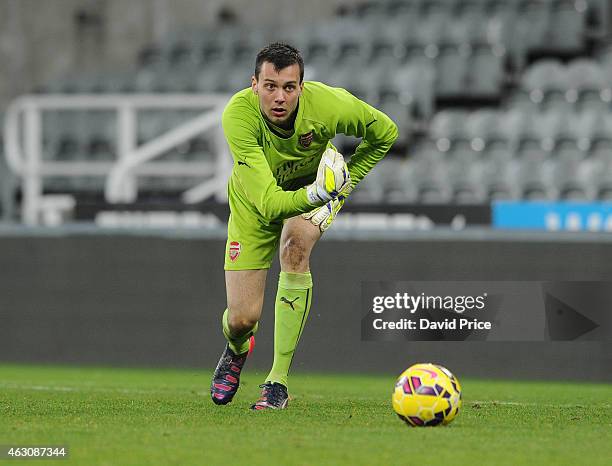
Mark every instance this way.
x=23 y=138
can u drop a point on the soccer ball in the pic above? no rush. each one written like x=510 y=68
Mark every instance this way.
x=426 y=395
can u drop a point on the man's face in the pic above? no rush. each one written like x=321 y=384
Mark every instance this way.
x=278 y=92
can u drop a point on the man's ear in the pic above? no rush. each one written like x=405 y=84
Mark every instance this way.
x=254 y=84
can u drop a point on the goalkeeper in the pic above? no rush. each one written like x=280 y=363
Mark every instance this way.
x=287 y=185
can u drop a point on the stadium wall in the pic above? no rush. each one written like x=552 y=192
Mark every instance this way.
x=156 y=300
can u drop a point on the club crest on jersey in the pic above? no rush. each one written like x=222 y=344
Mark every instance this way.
x=305 y=139
x=234 y=250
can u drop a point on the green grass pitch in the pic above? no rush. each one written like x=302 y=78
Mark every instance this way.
x=165 y=417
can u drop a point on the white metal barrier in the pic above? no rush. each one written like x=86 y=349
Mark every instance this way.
x=24 y=147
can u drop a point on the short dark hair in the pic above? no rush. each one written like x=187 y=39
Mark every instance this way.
x=281 y=55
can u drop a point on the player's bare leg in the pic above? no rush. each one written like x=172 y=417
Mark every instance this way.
x=297 y=241
x=245 y=294
x=292 y=305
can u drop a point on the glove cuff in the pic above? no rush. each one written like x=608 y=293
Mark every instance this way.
x=316 y=196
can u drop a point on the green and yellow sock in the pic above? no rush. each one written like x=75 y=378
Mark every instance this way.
x=290 y=313
x=238 y=344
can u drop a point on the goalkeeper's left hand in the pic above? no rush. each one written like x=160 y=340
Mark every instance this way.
x=323 y=216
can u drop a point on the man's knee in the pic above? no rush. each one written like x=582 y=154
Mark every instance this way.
x=241 y=323
x=294 y=252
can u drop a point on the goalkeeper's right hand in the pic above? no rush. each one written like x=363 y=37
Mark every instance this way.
x=332 y=177
x=323 y=216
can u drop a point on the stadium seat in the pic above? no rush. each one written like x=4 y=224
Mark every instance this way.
x=430 y=178
x=386 y=55
x=403 y=191
x=607 y=71
x=100 y=134
x=447 y=127
x=567 y=25
x=585 y=75
x=200 y=148
x=350 y=32
x=600 y=156
x=392 y=38
x=555 y=100
x=437 y=11
x=183 y=54
x=150 y=56
x=434 y=191
x=527 y=130
x=464 y=170
x=353 y=73
x=515 y=123
x=243 y=53
x=215 y=52
x=548 y=126
x=372 y=12
x=533 y=23
x=469 y=24
x=50 y=134
x=485 y=70
x=415 y=83
x=534 y=176
x=176 y=80
x=392 y=104
x=520 y=100
x=238 y=78
x=371 y=189
x=451 y=71
x=353 y=82
x=321 y=61
x=405 y=9
x=601 y=138
x=116 y=82
x=597 y=17
x=583 y=126
x=594 y=101
x=498 y=167
x=151 y=123
x=500 y=29
x=72 y=136
x=569 y=147
x=568 y=175
x=482 y=128
x=390 y=175
x=604 y=192
x=571 y=189
x=469 y=191
x=150 y=80
x=433 y=22
x=543 y=76
x=401 y=23
x=507 y=9
x=599 y=169
x=206 y=80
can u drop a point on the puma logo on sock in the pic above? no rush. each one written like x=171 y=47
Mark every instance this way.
x=285 y=300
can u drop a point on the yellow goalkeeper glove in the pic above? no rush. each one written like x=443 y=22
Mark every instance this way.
x=323 y=216
x=332 y=177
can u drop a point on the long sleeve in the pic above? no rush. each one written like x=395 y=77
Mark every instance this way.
x=378 y=131
x=252 y=172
